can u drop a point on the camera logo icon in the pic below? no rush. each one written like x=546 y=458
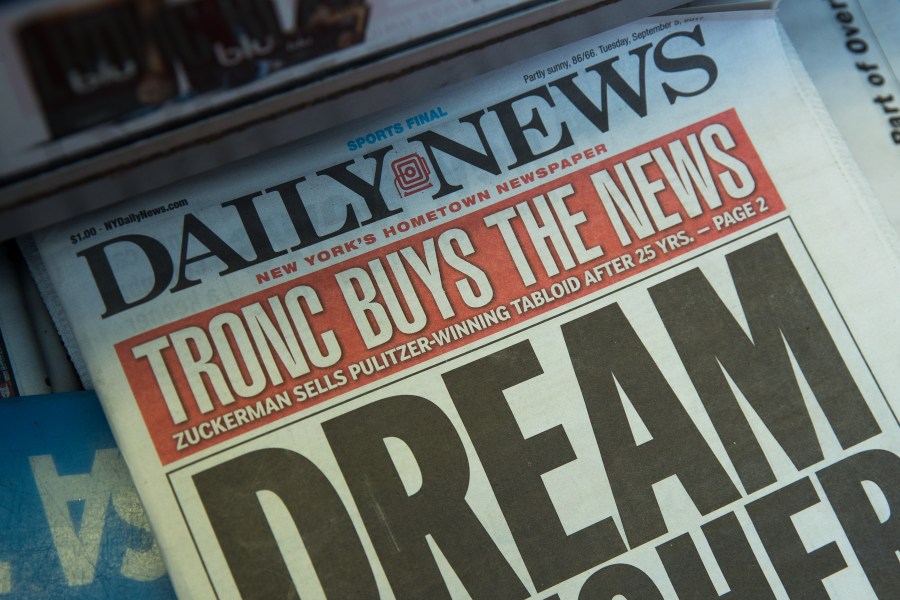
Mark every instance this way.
x=411 y=174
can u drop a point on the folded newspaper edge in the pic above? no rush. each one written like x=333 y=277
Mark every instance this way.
x=878 y=210
x=55 y=308
x=851 y=52
x=22 y=368
x=616 y=319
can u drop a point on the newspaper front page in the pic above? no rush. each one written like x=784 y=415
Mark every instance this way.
x=615 y=319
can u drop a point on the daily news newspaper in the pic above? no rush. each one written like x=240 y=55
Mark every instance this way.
x=617 y=319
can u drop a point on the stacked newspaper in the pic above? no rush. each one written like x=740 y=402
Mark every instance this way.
x=32 y=357
x=82 y=76
x=613 y=320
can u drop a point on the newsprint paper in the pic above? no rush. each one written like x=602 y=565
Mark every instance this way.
x=614 y=320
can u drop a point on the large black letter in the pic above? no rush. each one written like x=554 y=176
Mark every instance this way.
x=515 y=131
x=875 y=542
x=432 y=141
x=216 y=246
x=369 y=192
x=300 y=219
x=614 y=581
x=778 y=309
x=398 y=522
x=253 y=225
x=228 y=492
x=108 y=286
x=605 y=350
x=732 y=552
x=515 y=466
x=609 y=78
x=685 y=63
x=801 y=572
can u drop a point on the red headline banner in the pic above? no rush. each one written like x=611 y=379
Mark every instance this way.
x=224 y=371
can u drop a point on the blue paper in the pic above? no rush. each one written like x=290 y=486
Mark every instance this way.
x=71 y=524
